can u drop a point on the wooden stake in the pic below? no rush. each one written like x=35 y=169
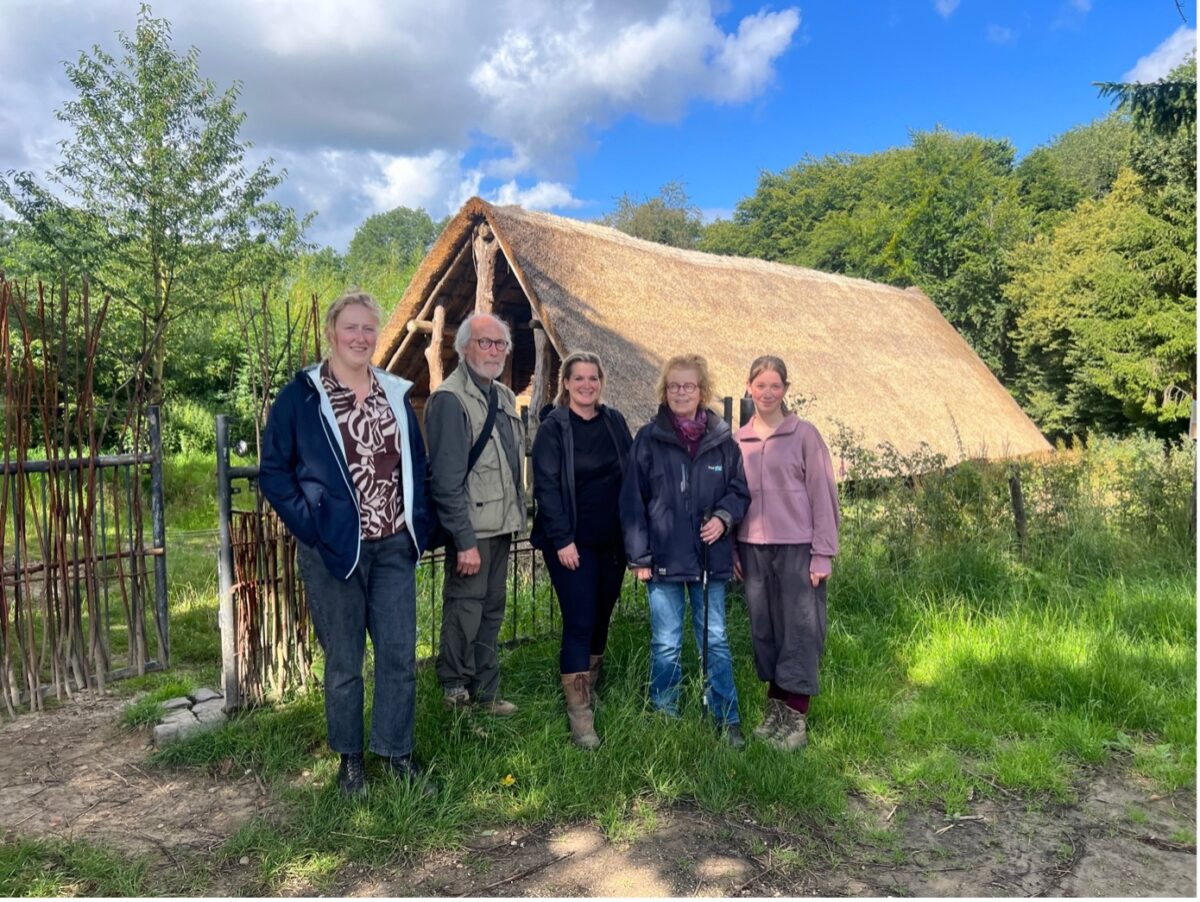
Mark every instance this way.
x=485 y=248
x=437 y=340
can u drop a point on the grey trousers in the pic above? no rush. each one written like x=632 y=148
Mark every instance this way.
x=787 y=615
x=379 y=598
x=472 y=614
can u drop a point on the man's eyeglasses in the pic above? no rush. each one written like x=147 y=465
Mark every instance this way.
x=681 y=388
x=487 y=344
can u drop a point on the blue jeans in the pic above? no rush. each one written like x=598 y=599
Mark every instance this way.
x=379 y=598
x=666 y=643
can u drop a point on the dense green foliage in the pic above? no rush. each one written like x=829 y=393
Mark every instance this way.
x=670 y=218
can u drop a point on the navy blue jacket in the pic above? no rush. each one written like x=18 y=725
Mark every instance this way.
x=554 y=474
x=304 y=475
x=665 y=494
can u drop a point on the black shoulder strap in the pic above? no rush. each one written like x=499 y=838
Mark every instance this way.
x=486 y=433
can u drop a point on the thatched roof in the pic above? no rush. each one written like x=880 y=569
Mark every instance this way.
x=878 y=359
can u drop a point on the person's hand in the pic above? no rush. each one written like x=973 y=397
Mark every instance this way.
x=737 y=569
x=712 y=530
x=642 y=573
x=817 y=578
x=469 y=562
x=569 y=557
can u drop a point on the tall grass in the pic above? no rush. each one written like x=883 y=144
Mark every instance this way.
x=957 y=667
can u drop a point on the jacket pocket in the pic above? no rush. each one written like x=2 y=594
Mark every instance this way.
x=485 y=499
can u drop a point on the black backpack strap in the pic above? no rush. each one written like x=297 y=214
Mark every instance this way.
x=486 y=433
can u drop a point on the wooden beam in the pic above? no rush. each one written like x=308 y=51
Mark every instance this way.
x=484 y=249
x=437 y=342
x=426 y=326
x=542 y=388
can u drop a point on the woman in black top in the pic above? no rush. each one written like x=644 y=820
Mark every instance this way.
x=578 y=460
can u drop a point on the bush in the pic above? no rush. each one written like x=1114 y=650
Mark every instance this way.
x=188 y=428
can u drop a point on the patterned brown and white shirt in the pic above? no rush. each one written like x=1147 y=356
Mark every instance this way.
x=371 y=437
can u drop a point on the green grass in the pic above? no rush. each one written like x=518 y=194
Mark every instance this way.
x=56 y=868
x=955 y=669
x=929 y=697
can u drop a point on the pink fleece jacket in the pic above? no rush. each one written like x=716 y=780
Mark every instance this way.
x=793 y=492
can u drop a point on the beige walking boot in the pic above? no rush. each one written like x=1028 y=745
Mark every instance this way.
x=594 y=662
x=770 y=723
x=579 y=712
x=792 y=732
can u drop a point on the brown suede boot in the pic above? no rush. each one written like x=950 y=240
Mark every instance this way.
x=594 y=662
x=579 y=712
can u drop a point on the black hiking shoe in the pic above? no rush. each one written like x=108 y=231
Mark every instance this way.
x=407 y=771
x=731 y=735
x=352 y=776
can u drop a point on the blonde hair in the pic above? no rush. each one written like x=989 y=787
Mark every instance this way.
x=564 y=373
x=360 y=298
x=687 y=362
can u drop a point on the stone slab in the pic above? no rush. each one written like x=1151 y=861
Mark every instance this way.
x=174 y=704
x=205 y=695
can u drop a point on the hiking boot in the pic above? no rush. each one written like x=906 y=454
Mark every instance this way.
x=594 y=662
x=352 y=776
x=579 y=712
x=731 y=735
x=770 y=723
x=792 y=733
x=455 y=698
x=407 y=771
x=497 y=707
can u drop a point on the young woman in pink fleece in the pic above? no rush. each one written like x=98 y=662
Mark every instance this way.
x=785 y=544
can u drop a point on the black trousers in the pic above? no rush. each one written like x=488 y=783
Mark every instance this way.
x=586 y=597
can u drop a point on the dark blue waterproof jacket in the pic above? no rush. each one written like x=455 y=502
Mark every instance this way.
x=304 y=475
x=666 y=493
x=554 y=474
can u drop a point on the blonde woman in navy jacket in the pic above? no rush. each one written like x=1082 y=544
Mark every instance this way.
x=344 y=466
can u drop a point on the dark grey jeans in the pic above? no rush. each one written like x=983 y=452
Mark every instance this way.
x=379 y=598
x=472 y=614
x=788 y=618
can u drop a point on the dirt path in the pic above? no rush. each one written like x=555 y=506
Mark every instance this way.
x=74 y=773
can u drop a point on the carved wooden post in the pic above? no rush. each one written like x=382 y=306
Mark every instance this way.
x=485 y=248
x=433 y=353
x=541 y=389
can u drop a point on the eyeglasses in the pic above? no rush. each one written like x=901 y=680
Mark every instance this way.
x=681 y=388
x=487 y=344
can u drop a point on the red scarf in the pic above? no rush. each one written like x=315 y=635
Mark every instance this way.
x=690 y=431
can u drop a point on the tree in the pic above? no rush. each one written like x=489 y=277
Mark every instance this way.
x=1107 y=334
x=390 y=240
x=151 y=199
x=670 y=218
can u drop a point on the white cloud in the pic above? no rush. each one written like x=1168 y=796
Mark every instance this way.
x=945 y=7
x=1071 y=14
x=1001 y=34
x=541 y=196
x=378 y=102
x=1165 y=57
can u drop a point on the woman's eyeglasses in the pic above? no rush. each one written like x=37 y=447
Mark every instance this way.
x=681 y=388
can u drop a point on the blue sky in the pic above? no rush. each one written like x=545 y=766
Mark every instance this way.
x=563 y=106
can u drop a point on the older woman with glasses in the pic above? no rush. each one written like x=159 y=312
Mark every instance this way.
x=682 y=495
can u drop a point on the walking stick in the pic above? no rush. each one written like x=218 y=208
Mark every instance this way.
x=704 y=642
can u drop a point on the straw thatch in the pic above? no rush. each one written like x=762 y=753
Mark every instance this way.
x=878 y=359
